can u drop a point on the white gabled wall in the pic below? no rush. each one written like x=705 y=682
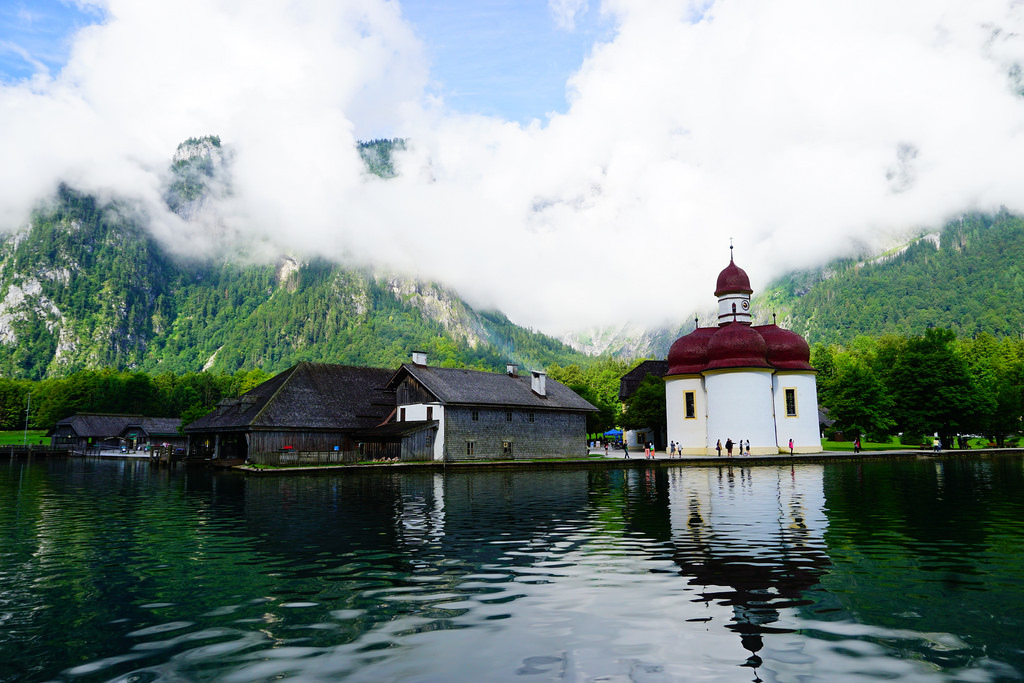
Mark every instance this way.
x=418 y=411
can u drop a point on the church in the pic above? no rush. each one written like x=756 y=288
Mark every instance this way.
x=741 y=381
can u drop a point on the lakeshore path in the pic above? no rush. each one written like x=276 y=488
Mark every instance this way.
x=637 y=454
x=597 y=458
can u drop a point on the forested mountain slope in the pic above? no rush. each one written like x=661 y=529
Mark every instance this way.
x=86 y=287
x=968 y=278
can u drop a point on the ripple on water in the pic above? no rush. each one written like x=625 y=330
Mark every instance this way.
x=686 y=574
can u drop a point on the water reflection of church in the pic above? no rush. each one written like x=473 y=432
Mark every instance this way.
x=754 y=553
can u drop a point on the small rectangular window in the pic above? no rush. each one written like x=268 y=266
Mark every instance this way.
x=790 y=402
x=508 y=416
x=529 y=417
x=430 y=440
x=476 y=415
x=691 y=404
x=401 y=415
x=469 y=447
x=506 y=448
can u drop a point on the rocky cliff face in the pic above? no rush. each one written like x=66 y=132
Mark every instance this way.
x=200 y=170
x=76 y=287
x=440 y=305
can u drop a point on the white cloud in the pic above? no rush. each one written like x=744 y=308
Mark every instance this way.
x=801 y=129
x=565 y=12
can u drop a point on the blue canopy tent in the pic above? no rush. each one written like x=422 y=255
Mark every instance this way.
x=613 y=432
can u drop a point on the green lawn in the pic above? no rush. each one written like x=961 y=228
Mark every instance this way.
x=864 y=446
x=894 y=444
x=17 y=437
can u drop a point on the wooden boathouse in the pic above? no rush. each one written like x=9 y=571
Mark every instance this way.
x=310 y=413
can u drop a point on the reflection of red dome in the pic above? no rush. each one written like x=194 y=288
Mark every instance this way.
x=689 y=353
x=786 y=350
x=737 y=346
x=733 y=280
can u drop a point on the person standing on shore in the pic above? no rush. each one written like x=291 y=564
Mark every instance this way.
x=791 y=446
x=728 y=446
x=718 y=447
x=625 y=450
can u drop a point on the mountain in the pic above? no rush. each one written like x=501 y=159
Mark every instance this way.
x=967 y=277
x=86 y=286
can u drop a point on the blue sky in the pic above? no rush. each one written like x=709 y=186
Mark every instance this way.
x=37 y=34
x=505 y=58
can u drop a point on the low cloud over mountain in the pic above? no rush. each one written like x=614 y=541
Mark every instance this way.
x=802 y=130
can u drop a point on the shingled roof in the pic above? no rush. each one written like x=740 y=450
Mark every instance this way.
x=307 y=396
x=456 y=386
x=97 y=425
x=155 y=426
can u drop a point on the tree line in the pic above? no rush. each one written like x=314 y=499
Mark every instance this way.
x=921 y=385
x=187 y=396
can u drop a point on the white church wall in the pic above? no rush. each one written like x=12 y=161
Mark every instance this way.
x=740 y=407
x=803 y=426
x=692 y=433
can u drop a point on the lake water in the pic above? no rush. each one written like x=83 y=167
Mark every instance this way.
x=912 y=569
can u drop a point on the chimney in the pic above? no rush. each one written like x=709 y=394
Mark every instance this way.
x=419 y=358
x=538 y=382
x=511 y=369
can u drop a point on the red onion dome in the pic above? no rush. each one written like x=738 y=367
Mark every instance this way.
x=737 y=346
x=733 y=280
x=689 y=354
x=787 y=350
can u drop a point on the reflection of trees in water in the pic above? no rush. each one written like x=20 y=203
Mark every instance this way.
x=931 y=546
x=410 y=513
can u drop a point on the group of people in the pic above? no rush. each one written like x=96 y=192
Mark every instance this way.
x=649 y=450
x=729 y=444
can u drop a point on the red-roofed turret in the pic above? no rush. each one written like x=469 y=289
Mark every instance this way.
x=733 y=280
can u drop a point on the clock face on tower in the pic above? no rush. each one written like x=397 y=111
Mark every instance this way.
x=745 y=304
